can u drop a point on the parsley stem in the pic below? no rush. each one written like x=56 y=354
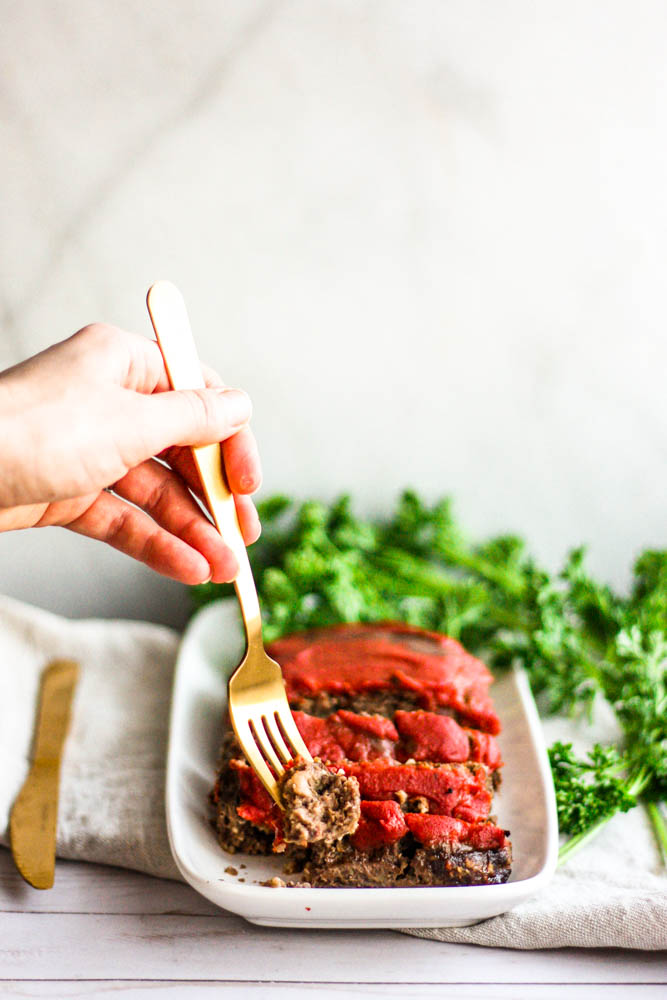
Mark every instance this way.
x=659 y=827
x=574 y=844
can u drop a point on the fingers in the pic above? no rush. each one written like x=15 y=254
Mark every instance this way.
x=241 y=459
x=248 y=517
x=242 y=465
x=42 y=515
x=109 y=519
x=163 y=495
x=182 y=461
x=23 y=516
x=190 y=417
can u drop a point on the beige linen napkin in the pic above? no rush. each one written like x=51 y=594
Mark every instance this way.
x=111 y=806
x=613 y=894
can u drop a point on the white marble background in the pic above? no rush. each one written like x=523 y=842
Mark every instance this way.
x=428 y=237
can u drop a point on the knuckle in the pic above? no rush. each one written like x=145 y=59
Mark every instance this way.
x=205 y=412
x=159 y=495
x=149 y=546
x=100 y=334
x=120 y=524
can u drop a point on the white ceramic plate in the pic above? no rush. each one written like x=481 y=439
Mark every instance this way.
x=211 y=648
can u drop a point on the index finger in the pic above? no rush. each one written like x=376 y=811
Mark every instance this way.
x=240 y=458
x=146 y=372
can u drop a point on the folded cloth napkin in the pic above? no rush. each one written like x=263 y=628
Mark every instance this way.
x=111 y=806
x=613 y=894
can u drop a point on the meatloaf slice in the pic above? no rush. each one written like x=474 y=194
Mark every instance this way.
x=385 y=845
x=390 y=848
x=247 y=818
x=347 y=736
x=234 y=831
x=460 y=790
x=416 y=735
x=340 y=865
x=396 y=867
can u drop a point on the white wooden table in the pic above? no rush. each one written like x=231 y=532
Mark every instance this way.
x=104 y=932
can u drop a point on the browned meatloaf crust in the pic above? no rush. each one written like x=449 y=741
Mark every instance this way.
x=407 y=865
x=381 y=808
x=235 y=833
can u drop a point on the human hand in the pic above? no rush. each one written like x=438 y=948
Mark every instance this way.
x=80 y=426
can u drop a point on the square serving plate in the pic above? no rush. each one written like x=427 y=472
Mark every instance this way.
x=212 y=647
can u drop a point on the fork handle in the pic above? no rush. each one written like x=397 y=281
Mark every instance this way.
x=169 y=317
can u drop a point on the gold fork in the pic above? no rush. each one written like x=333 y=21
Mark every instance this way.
x=258 y=706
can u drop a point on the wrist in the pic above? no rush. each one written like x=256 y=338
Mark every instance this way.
x=14 y=447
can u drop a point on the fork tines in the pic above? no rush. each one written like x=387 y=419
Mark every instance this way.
x=270 y=741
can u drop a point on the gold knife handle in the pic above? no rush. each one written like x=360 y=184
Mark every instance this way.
x=58 y=680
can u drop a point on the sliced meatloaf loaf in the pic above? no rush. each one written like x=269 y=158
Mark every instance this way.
x=401 y=727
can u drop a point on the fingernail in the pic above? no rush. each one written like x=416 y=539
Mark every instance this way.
x=248 y=484
x=237 y=405
x=234 y=574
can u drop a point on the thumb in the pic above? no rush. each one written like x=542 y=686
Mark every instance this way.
x=190 y=417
